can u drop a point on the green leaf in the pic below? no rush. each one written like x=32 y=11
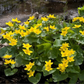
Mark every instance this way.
x=35 y=79
x=73 y=78
x=45 y=73
x=59 y=26
x=81 y=75
x=57 y=43
x=30 y=39
x=3 y=51
x=12 y=50
x=59 y=76
x=9 y=72
x=74 y=69
x=53 y=53
x=79 y=58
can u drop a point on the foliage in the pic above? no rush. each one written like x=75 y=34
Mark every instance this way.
x=43 y=47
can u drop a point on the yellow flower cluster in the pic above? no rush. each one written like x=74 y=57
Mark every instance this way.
x=35 y=30
x=68 y=56
x=81 y=19
x=51 y=27
x=28 y=68
x=48 y=65
x=16 y=20
x=27 y=46
x=64 y=31
x=9 y=37
x=8 y=60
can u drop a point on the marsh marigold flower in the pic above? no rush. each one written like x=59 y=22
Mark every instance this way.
x=7 y=56
x=16 y=20
x=52 y=27
x=64 y=33
x=46 y=28
x=9 y=24
x=22 y=27
x=37 y=31
x=44 y=18
x=77 y=26
x=61 y=67
x=82 y=32
x=27 y=22
x=31 y=73
x=31 y=18
x=51 y=16
x=13 y=42
x=48 y=65
x=27 y=51
x=9 y=61
x=29 y=66
x=27 y=46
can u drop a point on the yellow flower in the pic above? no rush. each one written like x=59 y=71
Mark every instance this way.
x=75 y=19
x=17 y=31
x=81 y=19
x=48 y=65
x=37 y=31
x=65 y=45
x=22 y=27
x=82 y=32
x=72 y=51
x=52 y=27
x=13 y=42
x=10 y=33
x=7 y=61
x=22 y=33
x=7 y=56
x=2 y=31
x=77 y=26
x=44 y=18
x=31 y=73
x=65 y=62
x=10 y=38
x=70 y=59
x=46 y=28
x=9 y=24
x=64 y=33
x=51 y=16
x=61 y=67
x=48 y=68
x=64 y=54
x=27 y=32
x=65 y=29
x=6 y=36
x=29 y=66
x=27 y=51
x=31 y=18
x=27 y=46
x=31 y=29
x=26 y=22
x=12 y=62
x=16 y=20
